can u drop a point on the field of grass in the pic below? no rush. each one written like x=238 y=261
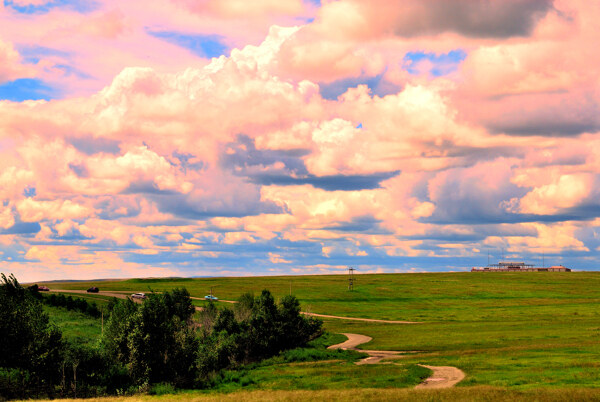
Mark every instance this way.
x=516 y=330
x=76 y=327
x=474 y=394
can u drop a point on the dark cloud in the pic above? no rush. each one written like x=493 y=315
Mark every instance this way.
x=115 y=207
x=79 y=169
x=360 y=224
x=22 y=228
x=472 y=233
x=548 y=128
x=90 y=146
x=329 y=183
x=192 y=207
x=145 y=187
x=562 y=117
x=287 y=168
x=472 y=18
x=243 y=159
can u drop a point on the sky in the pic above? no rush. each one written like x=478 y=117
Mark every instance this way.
x=228 y=137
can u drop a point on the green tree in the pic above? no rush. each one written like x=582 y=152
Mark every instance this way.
x=30 y=348
x=119 y=326
x=297 y=330
x=155 y=340
x=265 y=330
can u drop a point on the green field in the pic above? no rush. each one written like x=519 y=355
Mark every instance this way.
x=76 y=327
x=515 y=330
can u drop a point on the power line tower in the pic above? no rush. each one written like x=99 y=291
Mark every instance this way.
x=351 y=279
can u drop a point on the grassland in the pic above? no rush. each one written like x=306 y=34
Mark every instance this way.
x=475 y=394
x=523 y=331
x=76 y=327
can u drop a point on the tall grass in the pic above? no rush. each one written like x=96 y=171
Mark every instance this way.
x=475 y=394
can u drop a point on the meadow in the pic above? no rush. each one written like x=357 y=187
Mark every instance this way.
x=517 y=331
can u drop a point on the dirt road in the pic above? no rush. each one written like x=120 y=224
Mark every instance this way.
x=125 y=294
x=443 y=377
x=112 y=294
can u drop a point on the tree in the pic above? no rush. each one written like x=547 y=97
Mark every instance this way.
x=30 y=348
x=154 y=340
x=119 y=326
x=257 y=329
x=265 y=330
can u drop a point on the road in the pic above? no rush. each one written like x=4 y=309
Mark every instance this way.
x=125 y=294
x=442 y=377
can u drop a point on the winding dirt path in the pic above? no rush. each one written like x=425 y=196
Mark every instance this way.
x=443 y=376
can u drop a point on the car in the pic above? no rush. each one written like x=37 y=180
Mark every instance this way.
x=138 y=296
x=43 y=288
x=211 y=298
x=93 y=289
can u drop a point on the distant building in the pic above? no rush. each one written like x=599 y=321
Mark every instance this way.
x=513 y=266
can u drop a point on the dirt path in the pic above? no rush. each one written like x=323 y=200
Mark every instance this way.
x=443 y=377
x=359 y=319
x=123 y=294
x=375 y=356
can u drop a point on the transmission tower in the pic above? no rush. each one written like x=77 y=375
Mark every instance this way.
x=351 y=278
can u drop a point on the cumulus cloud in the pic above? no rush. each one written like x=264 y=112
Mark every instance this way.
x=399 y=134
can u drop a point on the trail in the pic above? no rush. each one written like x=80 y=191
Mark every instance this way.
x=359 y=319
x=124 y=294
x=443 y=376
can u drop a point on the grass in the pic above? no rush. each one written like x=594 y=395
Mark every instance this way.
x=321 y=375
x=523 y=331
x=476 y=394
x=76 y=327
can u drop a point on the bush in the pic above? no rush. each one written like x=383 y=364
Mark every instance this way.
x=257 y=329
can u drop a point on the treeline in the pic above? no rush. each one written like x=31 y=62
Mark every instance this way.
x=157 y=341
x=70 y=303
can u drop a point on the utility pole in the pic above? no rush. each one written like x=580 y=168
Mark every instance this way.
x=351 y=279
x=543 y=262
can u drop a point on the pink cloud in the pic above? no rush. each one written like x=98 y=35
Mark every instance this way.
x=168 y=161
x=11 y=66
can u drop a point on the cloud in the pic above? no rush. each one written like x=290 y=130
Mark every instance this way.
x=11 y=66
x=240 y=8
x=380 y=139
